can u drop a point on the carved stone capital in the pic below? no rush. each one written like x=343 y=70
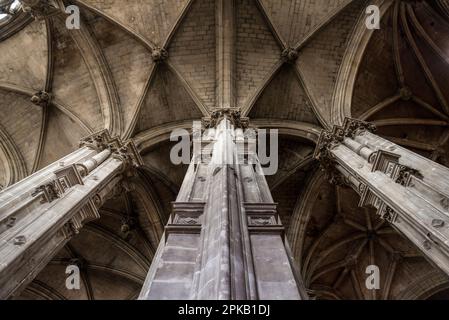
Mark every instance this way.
x=159 y=55
x=330 y=139
x=289 y=55
x=41 y=98
x=232 y=114
x=98 y=141
x=127 y=153
x=40 y=9
x=353 y=127
x=124 y=151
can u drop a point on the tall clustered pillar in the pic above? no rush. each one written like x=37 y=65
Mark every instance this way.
x=409 y=191
x=40 y=214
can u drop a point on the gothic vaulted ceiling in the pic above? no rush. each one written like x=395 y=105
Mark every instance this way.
x=142 y=68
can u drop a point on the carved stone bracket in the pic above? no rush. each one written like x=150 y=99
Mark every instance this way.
x=403 y=174
x=233 y=115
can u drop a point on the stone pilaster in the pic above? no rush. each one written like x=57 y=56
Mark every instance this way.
x=407 y=190
x=224 y=239
x=40 y=214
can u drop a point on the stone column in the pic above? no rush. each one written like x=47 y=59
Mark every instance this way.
x=40 y=214
x=409 y=191
x=224 y=239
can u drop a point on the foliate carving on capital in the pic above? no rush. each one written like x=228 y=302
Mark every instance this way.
x=327 y=141
x=126 y=152
x=98 y=141
x=233 y=115
x=330 y=139
x=353 y=127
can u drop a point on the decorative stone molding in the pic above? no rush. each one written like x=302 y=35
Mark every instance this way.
x=97 y=141
x=41 y=9
x=41 y=98
x=159 y=55
x=403 y=174
x=49 y=192
x=330 y=139
x=263 y=218
x=74 y=225
x=234 y=115
x=185 y=218
x=127 y=153
x=124 y=151
x=353 y=127
x=407 y=190
x=66 y=178
x=289 y=55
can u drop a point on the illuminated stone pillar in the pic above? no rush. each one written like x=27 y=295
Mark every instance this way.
x=411 y=192
x=224 y=239
x=40 y=214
